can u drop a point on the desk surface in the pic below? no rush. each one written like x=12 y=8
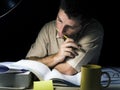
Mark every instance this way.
x=111 y=87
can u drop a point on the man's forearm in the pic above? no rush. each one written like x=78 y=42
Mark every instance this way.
x=50 y=61
x=65 y=68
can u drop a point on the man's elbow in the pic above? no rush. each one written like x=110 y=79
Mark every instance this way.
x=70 y=71
x=66 y=69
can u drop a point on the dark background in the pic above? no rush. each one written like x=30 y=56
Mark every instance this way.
x=20 y=27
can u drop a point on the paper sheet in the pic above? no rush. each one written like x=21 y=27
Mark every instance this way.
x=43 y=85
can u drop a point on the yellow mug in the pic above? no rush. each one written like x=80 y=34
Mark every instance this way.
x=91 y=77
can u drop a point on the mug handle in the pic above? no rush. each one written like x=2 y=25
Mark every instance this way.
x=109 y=79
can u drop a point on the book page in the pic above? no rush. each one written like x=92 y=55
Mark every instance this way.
x=6 y=67
x=74 y=79
x=9 y=65
x=37 y=68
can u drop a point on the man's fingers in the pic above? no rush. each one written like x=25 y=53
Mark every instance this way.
x=72 y=45
x=70 y=52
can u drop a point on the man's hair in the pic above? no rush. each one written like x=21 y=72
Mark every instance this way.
x=76 y=9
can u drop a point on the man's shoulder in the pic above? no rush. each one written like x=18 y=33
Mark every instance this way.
x=94 y=25
x=96 y=22
x=93 y=29
x=50 y=23
x=49 y=27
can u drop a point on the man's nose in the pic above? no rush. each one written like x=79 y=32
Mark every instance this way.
x=61 y=28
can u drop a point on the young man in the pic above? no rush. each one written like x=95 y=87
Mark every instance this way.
x=72 y=40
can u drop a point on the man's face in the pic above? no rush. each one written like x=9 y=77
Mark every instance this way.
x=66 y=26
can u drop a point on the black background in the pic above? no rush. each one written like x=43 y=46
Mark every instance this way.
x=19 y=28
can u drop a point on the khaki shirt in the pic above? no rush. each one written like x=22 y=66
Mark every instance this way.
x=90 y=40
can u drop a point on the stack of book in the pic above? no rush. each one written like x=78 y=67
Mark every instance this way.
x=14 y=78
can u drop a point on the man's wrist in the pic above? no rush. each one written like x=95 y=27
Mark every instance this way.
x=58 y=59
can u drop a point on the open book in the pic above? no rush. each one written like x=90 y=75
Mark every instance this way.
x=42 y=72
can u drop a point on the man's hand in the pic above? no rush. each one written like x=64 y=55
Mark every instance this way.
x=67 y=49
